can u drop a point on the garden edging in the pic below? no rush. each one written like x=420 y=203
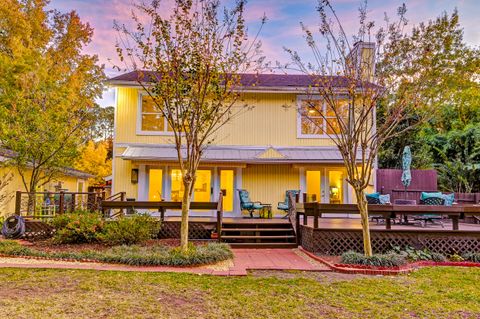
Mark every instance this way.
x=387 y=271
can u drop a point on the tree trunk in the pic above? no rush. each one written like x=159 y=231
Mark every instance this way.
x=185 y=210
x=363 y=209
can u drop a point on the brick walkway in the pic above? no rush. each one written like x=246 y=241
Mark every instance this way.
x=244 y=259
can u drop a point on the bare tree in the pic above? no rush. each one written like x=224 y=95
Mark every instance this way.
x=347 y=89
x=189 y=65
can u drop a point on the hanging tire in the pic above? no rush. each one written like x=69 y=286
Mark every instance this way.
x=13 y=227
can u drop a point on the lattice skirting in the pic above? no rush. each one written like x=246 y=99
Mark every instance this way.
x=336 y=242
x=35 y=229
x=195 y=230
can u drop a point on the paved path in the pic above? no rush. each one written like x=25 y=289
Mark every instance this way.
x=244 y=259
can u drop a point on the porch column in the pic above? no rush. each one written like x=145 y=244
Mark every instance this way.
x=215 y=187
x=167 y=184
x=303 y=184
x=237 y=186
x=142 y=183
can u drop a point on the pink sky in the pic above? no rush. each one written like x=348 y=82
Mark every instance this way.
x=282 y=28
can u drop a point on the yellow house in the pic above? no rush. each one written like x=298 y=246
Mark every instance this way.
x=71 y=180
x=266 y=150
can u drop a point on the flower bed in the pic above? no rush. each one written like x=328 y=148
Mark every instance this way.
x=334 y=262
x=136 y=255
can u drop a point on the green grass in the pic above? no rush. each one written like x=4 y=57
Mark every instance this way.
x=429 y=293
x=135 y=255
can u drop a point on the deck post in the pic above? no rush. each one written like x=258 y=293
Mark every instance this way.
x=315 y=216
x=388 y=221
x=305 y=219
x=72 y=209
x=61 y=203
x=297 y=227
x=219 y=216
x=18 y=202
x=454 y=222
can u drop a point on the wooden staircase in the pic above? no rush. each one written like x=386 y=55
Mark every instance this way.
x=259 y=233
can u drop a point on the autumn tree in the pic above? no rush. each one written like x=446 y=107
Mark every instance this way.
x=344 y=77
x=189 y=65
x=47 y=87
x=93 y=159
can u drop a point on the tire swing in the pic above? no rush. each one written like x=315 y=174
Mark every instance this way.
x=13 y=227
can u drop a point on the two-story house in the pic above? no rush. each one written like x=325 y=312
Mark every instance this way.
x=266 y=150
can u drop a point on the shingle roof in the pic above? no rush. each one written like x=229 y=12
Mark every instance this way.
x=6 y=154
x=240 y=154
x=254 y=80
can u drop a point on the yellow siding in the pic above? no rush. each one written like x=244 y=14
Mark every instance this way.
x=272 y=121
x=68 y=182
x=268 y=183
x=122 y=178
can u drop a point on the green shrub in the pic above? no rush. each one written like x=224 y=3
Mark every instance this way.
x=130 y=230
x=132 y=255
x=413 y=254
x=380 y=260
x=455 y=257
x=77 y=227
x=475 y=257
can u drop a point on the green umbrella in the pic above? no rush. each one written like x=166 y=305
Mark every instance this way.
x=406 y=162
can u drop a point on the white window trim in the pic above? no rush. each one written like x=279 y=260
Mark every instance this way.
x=300 y=135
x=139 y=130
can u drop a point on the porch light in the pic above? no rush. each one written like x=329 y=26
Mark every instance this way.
x=134 y=176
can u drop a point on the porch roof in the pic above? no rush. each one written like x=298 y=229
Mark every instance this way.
x=240 y=154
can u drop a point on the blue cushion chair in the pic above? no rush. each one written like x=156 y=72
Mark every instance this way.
x=432 y=199
x=286 y=205
x=378 y=199
x=247 y=204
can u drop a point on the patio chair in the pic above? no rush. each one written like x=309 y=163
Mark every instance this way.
x=247 y=204
x=286 y=205
x=424 y=218
x=375 y=199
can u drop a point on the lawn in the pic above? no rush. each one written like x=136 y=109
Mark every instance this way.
x=428 y=293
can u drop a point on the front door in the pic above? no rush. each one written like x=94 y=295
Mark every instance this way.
x=227 y=186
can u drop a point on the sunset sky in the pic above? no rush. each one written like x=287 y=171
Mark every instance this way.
x=282 y=28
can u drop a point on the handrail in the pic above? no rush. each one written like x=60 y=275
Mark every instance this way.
x=162 y=206
x=389 y=211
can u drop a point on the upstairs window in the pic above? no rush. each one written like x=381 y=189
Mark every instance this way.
x=151 y=119
x=317 y=119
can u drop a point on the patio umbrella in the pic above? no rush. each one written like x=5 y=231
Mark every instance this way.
x=406 y=162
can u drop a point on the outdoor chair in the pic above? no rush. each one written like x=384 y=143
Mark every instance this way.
x=247 y=204
x=424 y=218
x=286 y=205
x=377 y=199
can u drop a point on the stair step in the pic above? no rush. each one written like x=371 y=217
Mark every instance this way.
x=256 y=229
x=258 y=237
x=263 y=245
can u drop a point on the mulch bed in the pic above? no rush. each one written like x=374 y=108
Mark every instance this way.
x=50 y=247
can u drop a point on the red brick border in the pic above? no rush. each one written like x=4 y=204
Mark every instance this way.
x=386 y=271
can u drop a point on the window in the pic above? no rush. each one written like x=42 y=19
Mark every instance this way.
x=151 y=119
x=316 y=118
x=201 y=189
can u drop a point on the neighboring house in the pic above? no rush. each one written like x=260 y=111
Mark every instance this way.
x=70 y=180
x=266 y=150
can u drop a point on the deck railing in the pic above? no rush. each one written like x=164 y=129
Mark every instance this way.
x=163 y=206
x=388 y=212
x=44 y=205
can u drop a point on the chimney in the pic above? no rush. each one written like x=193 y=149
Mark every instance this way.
x=362 y=59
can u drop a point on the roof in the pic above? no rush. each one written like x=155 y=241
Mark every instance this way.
x=252 y=81
x=6 y=154
x=239 y=154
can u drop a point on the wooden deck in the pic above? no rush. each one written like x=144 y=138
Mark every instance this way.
x=354 y=223
x=334 y=223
